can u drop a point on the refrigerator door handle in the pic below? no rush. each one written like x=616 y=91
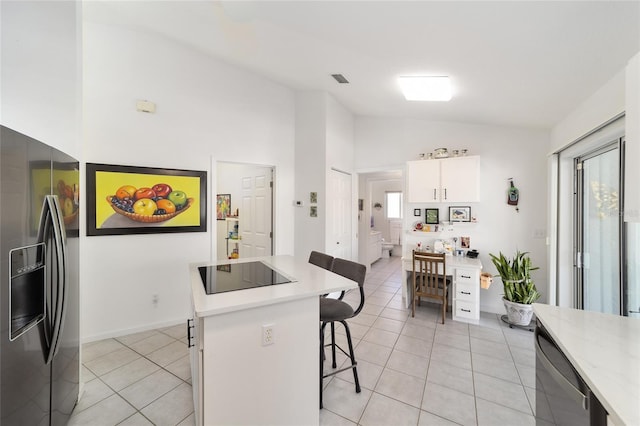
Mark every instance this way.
x=52 y=216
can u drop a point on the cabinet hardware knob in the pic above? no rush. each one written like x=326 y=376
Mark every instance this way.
x=465 y=292
x=465 y=310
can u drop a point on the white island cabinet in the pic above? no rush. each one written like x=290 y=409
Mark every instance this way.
x=255 y=352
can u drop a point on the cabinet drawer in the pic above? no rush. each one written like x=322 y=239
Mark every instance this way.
x=465 y=310
x=466 y=276
x=466 y=292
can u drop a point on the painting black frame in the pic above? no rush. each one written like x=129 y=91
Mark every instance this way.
x=465 y=209
x=429 y=216
x=93 y=230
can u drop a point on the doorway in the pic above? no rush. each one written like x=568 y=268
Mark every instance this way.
x=247 y=229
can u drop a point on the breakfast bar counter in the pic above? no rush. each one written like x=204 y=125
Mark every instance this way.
x=255 y=351
x=605 y=351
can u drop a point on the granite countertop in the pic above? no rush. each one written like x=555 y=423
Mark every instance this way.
x=605 y=350
x=308 y=281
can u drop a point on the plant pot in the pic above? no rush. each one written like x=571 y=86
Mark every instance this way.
x=517 y=313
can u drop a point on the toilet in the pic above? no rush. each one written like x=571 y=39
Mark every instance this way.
x=386 y=249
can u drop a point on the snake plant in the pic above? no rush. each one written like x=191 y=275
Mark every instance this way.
x=516 y=277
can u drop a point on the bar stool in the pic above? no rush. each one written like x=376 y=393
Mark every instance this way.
x=320 y=259
x=337 y=310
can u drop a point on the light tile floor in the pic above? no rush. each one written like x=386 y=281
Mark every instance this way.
x=413 y=371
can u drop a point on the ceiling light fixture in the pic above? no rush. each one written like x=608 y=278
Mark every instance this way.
x=425 y=88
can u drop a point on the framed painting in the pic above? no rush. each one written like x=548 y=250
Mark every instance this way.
x=125 y=200
x=432 y=216
x=223 y=206
x=460 y=214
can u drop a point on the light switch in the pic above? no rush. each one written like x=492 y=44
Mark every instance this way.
x=146 y=106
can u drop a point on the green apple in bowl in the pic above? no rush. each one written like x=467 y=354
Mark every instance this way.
x=179 y=198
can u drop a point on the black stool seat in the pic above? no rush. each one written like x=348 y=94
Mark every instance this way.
x=334 y=310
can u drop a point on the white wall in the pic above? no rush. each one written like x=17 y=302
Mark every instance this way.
x=602 y=106
x=324 y=140
x=207 y=111
x=310 y=173
x=505 y=153
x=40 y=88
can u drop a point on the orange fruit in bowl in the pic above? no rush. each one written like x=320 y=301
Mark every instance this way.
x=166 y=205
x=126 y=191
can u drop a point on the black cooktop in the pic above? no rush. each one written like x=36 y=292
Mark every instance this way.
x=239 y=276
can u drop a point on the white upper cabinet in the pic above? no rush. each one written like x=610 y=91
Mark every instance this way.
x=448 y=180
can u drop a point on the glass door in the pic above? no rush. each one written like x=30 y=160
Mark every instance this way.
x=599 y=236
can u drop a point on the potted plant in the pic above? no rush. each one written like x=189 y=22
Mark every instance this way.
x=519 y=290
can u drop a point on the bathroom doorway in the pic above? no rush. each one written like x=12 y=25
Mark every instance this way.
x=374 y=190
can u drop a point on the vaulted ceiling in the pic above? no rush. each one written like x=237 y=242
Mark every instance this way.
x=513 y=63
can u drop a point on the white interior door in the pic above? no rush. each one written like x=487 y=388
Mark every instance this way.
x=339 y=215
x=256 y=212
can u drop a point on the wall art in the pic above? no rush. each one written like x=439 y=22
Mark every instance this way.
x=125 y=200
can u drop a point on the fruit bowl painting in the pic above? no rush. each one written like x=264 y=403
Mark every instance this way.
x=154 y=218
x=144 y=200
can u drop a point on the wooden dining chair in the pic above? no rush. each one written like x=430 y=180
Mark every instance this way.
x=430 y=279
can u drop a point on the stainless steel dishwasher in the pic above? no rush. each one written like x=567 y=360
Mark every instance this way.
x=562 y=396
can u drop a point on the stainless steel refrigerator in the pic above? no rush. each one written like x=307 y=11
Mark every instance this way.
x=39 y=270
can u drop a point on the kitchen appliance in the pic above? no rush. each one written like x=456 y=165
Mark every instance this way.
x=239 y=276
x=39 y=305
x=562 y=396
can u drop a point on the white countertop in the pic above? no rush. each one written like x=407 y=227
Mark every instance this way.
x=451 y=261
x=605 y=350
x=309 y=280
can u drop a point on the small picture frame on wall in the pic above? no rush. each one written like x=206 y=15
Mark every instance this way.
x=432 y=216
x=313 y=211
x=313 y=197
x=417 y=212
x=460 y=214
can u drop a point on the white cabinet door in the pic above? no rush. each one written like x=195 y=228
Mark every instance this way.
x=423 y=181
x=450 y=180
x=460 y=179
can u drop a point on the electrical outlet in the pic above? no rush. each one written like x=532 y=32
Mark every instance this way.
x=268 y=336
x=539 y=233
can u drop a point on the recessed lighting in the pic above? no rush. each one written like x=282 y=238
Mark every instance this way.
x=425 y=88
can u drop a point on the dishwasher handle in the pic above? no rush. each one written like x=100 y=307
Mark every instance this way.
x=573 y=392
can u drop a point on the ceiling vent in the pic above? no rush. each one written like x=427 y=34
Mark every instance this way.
x=340 y=78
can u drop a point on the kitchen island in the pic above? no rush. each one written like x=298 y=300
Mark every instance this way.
x=255 y=352
x=605 y=350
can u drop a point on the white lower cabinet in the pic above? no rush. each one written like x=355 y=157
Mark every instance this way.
x=374 y=249
x=465 y=295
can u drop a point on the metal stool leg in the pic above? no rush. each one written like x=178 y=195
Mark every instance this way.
x=333 y=345
x=321 y=360
x=353 y=358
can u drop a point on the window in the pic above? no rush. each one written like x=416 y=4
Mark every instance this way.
x=394 y=205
